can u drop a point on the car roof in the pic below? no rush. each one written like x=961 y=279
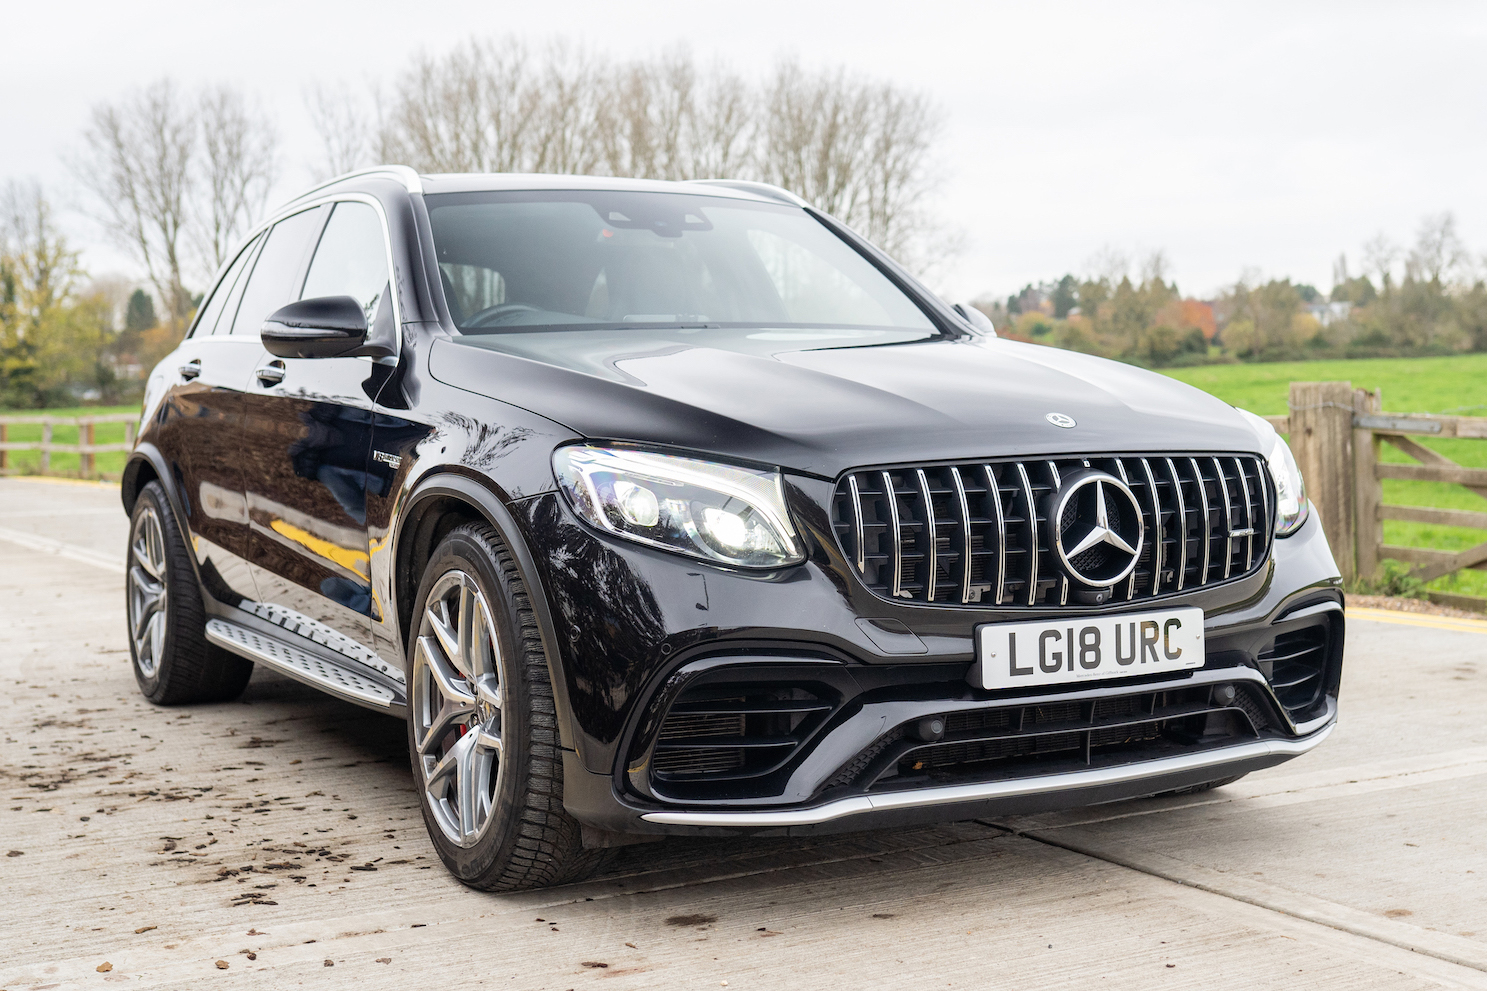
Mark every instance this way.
x=470 y=182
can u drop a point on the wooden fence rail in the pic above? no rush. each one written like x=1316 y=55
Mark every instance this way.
x=1336 y=433
x=86 y=449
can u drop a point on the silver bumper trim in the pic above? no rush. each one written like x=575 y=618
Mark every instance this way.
x=996 y=789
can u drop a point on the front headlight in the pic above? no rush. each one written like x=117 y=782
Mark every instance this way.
x=720 y=513
x=1290 y=490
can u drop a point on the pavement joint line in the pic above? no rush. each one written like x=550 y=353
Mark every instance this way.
x=95 y=483
x=47 y=545
x=1295 y=789
x=1417 y=619
x=1457 y=950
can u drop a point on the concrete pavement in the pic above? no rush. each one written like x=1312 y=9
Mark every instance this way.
x=276 y=841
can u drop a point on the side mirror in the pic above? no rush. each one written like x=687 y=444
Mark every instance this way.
x=325 y=327
x=978 y=320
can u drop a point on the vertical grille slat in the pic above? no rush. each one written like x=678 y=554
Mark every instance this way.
x=995 y=491
x=1207 y=519
x=1182 y=526
x=970 y=534
x=928 y=536
x=858 y=542
x=897 y=532
x=1156 y=514
x=1218 y=469
x=966 y=536
x=1032 y=535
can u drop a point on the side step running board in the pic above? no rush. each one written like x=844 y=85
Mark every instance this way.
x=340 y=680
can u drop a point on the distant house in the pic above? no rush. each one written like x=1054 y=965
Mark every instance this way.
x=1196 y=313
x=1328 y=313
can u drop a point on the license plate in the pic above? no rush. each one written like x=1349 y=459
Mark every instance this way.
x=1056 y=652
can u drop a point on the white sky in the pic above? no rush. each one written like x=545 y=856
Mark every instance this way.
x=1230 y=136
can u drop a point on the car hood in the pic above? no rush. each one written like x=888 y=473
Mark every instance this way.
x=823 y=410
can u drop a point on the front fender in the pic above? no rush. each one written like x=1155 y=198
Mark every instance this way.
x=433 y=494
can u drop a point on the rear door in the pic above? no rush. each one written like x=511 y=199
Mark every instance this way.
x=306 y=441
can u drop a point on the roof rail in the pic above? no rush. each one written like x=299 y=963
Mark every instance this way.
x=758 y=188
x=407 y=176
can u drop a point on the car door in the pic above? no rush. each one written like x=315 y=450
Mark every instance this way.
x=306 y=440
x=199 y=432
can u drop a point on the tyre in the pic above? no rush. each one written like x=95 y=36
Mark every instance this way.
x=482 y=728
x=174 y=663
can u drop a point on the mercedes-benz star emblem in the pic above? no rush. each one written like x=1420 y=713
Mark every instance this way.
x=1060 y=420
x=1098 y=531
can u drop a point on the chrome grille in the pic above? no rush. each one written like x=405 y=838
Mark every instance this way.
x=972 y=533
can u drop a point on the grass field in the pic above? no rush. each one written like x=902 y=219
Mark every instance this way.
x=1454 y=386
x=62 y=464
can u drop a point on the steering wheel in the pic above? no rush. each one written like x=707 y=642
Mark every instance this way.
x=491 y=315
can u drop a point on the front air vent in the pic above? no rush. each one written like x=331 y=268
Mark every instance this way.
x=976 y=533
x=1020 y=740
x=1296 y=664
x=739 y=733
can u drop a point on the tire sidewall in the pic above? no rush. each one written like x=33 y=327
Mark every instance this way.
x=155 y=686
x=462 y=551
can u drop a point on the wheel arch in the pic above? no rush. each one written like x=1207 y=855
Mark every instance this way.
x=146 y=464
x=438 y=504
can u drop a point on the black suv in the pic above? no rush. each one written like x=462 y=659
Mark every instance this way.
x=679 y=508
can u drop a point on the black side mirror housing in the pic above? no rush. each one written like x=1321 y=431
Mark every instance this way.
x=324 y=327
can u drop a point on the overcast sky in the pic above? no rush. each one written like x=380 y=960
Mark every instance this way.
x=1229 y=136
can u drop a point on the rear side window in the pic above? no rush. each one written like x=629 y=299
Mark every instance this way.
x=272 y=283
x=210 y=313
x=351 y=259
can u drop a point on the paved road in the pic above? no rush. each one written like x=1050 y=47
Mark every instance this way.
x=264 y=841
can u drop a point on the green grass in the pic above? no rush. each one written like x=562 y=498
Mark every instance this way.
x=29 y=462
x=1454 y=386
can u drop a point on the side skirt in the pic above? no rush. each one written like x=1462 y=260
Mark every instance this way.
x=302 y=661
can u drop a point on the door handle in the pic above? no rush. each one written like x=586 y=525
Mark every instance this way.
x=190 y=369
x=272 y=373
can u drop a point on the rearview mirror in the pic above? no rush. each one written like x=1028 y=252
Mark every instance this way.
x=324 y=327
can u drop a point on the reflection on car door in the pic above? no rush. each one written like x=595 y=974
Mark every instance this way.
x=306 y=441
x=200 y=427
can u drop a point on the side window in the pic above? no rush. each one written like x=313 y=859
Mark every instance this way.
x=206 y=324
x=272 y=283
x=224 y=323
x=351 y=259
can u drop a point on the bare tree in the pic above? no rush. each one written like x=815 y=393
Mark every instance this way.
x=1379 y=255
x=342 y=121
x=139 y=164
x=1439 y=250
x=237 y=169
x=854 y=147
x=42 y=269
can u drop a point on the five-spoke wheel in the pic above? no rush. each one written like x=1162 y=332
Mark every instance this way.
x=148 y=593
x=482 y=727
x=456 y=707
x=174 y=662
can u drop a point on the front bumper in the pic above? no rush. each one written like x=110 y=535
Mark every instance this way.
x=630 y=647
x=1017 y=797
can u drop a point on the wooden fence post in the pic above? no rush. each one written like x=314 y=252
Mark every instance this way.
x=1367 y=489
x=4 y=454
x=46 y=447
x=85 y=462
x=1322 y=440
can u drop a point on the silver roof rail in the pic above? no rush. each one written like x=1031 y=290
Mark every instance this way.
x=758 y=188
x=407 y=176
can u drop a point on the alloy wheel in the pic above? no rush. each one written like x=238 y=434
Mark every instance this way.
x=147 y=591
x=456 y=707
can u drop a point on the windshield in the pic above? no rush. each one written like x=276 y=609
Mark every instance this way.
x=559 y=259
